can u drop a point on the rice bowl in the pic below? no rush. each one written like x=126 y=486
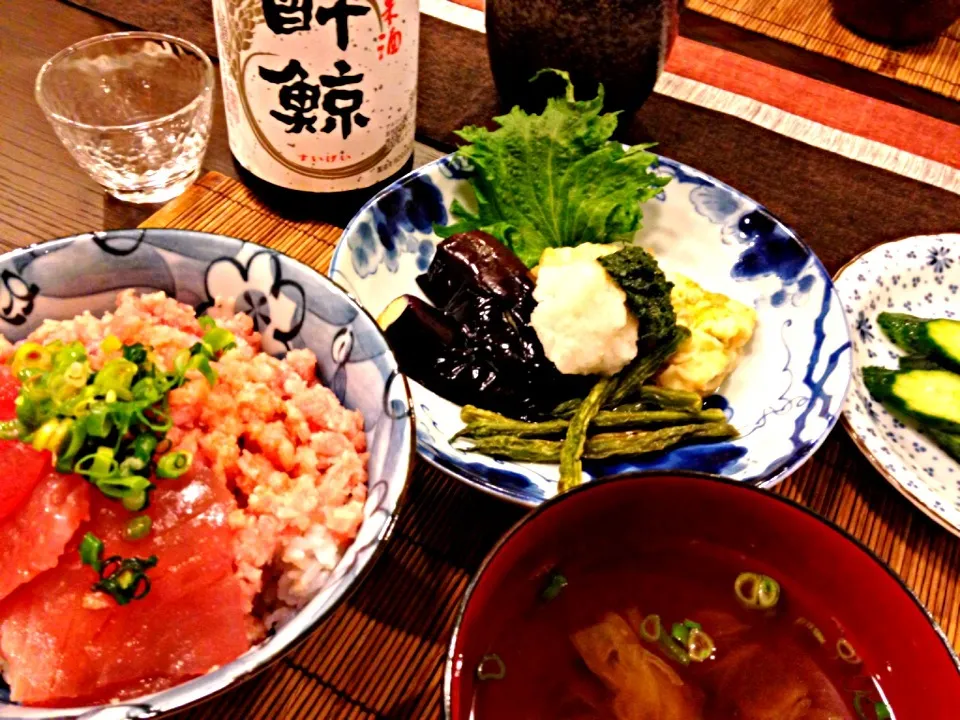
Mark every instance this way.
x=292 y=538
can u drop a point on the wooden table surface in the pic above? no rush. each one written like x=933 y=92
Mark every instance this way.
x=43 y=194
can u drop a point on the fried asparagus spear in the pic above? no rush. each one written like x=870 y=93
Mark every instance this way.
x=571 y=465
x=603 y=446
x=634 y=375
x=500 y=436
x=486 y=423
x=630 y=383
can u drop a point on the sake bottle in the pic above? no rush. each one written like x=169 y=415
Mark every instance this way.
x=320 y=98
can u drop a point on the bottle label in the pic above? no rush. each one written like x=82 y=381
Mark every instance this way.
x=320 y=95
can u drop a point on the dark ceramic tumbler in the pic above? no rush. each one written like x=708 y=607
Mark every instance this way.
x=900 y=22
x=620 y=43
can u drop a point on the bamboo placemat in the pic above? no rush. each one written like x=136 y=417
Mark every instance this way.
x=380 y=654
x=811 y=25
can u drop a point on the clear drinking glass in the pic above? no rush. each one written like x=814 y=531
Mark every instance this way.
x=133 y=109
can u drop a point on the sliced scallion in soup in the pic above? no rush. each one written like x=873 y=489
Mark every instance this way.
x=689 y=636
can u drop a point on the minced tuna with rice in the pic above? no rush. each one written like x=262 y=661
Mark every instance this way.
x=277 y=467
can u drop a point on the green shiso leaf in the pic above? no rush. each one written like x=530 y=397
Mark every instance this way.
x=555 y=179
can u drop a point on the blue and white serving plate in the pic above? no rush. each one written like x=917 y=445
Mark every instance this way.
x=921 y=276
x=784 y=397
x=292 y=306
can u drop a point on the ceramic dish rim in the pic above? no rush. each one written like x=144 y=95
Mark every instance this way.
x=845 y=420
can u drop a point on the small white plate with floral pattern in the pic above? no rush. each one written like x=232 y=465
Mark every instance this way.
x=920 y=276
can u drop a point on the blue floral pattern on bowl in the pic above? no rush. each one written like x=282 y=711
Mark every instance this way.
x=293 y=306
x=918 y=275
x=786 y=394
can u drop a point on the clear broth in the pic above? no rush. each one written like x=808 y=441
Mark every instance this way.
x=768 y=665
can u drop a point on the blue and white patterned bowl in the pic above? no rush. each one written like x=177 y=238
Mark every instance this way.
x=784 y=397
x=293 y=306
x=921 y=276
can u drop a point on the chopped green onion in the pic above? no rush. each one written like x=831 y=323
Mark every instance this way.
x=125 y=579
x=700 y=646
x=123 y=486
x=139 y=527
x=136 y=353
x=174 y=464
x=80 y=403
x=136 y=501
x=110 y=344
x=199 y=348
x=98 y=422
x=491 y=667
x=846 y=652
x=121 y=415
x=10 y=429
x=769 y=594
x=28 y=410
x=757 y=591
x=814 y=630
x=69 y=354
x=131 y=465
x=116 y=376
x=31 y=355
x=99 y=464
x=680 y=633
x=862 y=701
x=105 y=425
x=651 y=628
x=51 y=434
x=555 y=585
x=202 y=363
x=63 y=386
x=147 y=389
x=180 y=363
x=77 y=374
x=91 y=551
x=219 y=340
x=30 y=376
x=59 y=437
x=78 y=433
x=144 y=446
x=206 y=322
x=674 y=650
x=159 y=422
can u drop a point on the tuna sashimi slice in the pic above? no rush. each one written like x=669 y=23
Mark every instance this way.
x=21 y=467
x=9 y=389
x=172 y=634
x=64 y=644
x=43 y=632
x=33 y=538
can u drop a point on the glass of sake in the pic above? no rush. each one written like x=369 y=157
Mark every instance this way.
x=133 y=109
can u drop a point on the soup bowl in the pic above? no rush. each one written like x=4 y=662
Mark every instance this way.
x=853 y=597
x=293 y=307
